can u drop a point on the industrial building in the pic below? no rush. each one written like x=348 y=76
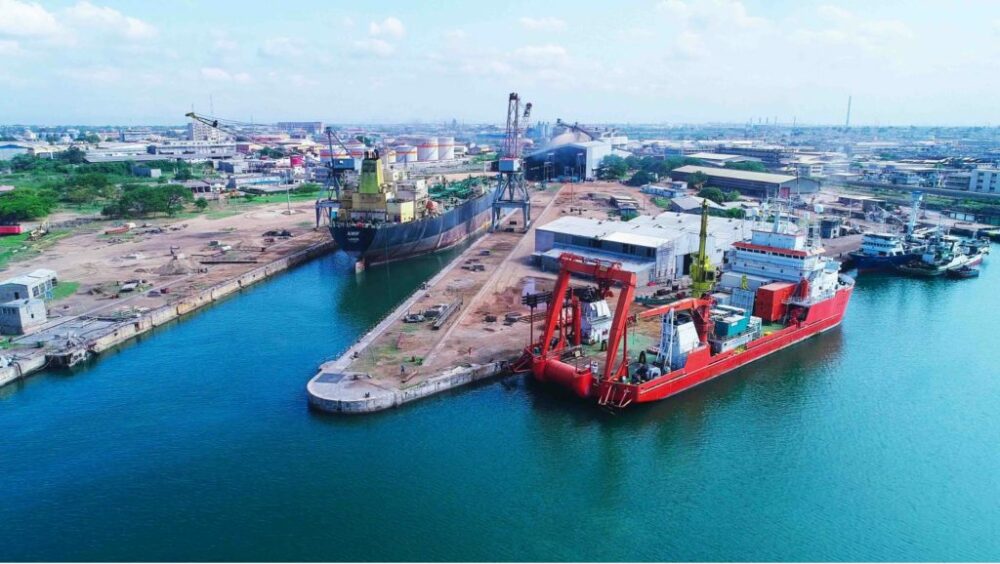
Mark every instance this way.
x=984 y=180
x=721 y=159
x=577 y=161
x=17 y=317
x=692 y=204
x=35 y=284
x=657 y=248
x=757 y=184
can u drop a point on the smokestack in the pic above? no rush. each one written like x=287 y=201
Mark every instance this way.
x=847 y=122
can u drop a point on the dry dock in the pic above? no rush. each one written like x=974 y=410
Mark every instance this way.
x=397 y=362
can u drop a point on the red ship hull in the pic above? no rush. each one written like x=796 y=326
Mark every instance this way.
x=701 y=365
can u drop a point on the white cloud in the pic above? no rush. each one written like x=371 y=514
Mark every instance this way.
x=98 y=74
x=543 y=24
x=374 y=47
x=281 y=47
x=689 y=45
x=225 y=44
x=26 y=19
x=844 y=28
x=9 y=47
x=222 y=75
x=348 y=21
x=90 y=18
x=390 y=27
x=542 y=55
x=455 y=34
x=709 y=14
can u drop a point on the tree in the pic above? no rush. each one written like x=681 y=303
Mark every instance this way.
x=697 y=179
x=713 y=193
x=92 y=138
x=641 y=178
x=183 y=174
x=73 y=155
x=612 y=167
x=23 y=204
x=752 y=166
x=201 y=204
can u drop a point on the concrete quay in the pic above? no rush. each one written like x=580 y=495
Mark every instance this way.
x=94 y=336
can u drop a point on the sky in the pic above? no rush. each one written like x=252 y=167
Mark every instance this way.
x=657 y=61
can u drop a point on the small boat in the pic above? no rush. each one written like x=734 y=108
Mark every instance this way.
x=964 y=271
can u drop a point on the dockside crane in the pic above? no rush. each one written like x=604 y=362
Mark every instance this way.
x=337 y=167
x=512 y=191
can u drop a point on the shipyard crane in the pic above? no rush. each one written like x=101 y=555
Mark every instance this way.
x=336 y=168
x=511 y=191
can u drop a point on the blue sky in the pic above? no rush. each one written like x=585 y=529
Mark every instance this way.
x=679 y=61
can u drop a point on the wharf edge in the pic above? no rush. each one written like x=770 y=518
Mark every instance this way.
x=119 y=333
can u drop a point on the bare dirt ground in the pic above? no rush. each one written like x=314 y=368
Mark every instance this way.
x=99 y=262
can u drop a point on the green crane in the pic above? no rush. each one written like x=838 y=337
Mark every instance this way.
x=702 y=272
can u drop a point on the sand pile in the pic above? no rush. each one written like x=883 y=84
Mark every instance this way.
x=177 y=266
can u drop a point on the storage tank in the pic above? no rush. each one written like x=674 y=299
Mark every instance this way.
x=446 y=148
x=427 y=150
x=406 y=154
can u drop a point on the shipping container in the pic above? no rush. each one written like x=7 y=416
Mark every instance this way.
x=10 y=230
x=769 y=304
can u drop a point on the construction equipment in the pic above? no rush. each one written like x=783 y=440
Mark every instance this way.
x=511 y=191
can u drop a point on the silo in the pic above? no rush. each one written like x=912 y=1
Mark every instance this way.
x=406 y=154
x=446 y=148
x=427 y=150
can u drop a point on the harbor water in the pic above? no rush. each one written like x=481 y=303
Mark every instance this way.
x=877 y=440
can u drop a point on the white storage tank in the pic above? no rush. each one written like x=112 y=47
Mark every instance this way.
x=446 y=148
x=406 y=154
x=427 y=150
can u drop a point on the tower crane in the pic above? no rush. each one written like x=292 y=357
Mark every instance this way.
x=511 y=191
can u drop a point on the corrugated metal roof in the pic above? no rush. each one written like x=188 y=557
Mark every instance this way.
x=736 y=174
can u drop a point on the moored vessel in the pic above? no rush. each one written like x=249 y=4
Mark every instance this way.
x=785 y=291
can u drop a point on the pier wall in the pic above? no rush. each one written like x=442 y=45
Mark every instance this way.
x=130 y=329
x=452 y=378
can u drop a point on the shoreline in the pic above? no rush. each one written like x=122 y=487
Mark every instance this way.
x=23 y=364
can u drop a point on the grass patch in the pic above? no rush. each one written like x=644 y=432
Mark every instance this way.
x=64 y=290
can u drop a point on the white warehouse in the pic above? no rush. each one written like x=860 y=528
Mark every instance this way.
x=657 y=248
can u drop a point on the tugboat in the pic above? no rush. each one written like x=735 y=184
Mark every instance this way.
x=882 y=251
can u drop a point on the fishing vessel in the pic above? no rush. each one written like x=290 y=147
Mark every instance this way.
x=780 y=290
x=382 y=221
x=881 y=250
x=943 y=253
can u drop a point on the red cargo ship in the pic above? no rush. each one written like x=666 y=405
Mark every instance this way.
x=794 y=293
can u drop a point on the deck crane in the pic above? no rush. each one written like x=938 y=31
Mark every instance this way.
x=337 y=167
x=511 y=191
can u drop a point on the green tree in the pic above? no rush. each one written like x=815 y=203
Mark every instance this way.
x=641 y=178
x=201 y=204
x=713 y=193
x=24 y=204
x=612 y=167
x=697 y=180
x=92 y=138
x=73 y=155
x=751 y=166
x=183 y=173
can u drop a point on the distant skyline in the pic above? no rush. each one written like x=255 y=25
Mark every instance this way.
x=93 y=62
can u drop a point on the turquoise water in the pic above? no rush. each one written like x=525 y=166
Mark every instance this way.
x=878 y=440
